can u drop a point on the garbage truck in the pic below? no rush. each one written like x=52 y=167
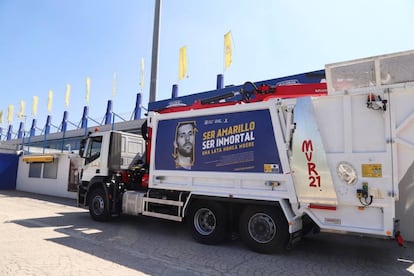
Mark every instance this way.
x=270 y=162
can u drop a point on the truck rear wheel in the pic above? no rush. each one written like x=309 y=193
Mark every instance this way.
x=264 y=229
x=98 y=205
x=208 y=222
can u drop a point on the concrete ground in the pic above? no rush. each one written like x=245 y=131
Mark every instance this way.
x=43 y=235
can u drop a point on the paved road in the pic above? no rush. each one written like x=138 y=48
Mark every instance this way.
x=41 y=235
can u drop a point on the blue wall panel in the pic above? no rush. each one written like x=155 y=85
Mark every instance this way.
x=8 y=171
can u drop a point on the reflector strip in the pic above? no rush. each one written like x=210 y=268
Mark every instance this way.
x=322 y=207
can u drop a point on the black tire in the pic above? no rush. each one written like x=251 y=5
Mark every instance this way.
x=98 y=205
x=208 y=222
x=264 y=229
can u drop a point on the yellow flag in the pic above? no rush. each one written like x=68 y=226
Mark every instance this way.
x=142 y=73
x=22 y=108
x=114 y=85
x=50 y=101
x=34 y=106
x=183 y=63
x=67 y=95
x=227 y=50
x=1 y=117
x=88 y=89
x=10 y=114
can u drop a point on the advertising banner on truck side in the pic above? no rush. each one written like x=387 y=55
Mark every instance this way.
x=241 y=141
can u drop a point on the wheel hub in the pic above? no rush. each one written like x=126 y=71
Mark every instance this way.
x=262 y=228
x=98 y=205
x=204 y=221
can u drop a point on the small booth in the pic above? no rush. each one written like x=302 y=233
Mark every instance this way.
x=55 y=174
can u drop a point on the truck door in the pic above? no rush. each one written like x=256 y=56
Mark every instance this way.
x=402 y=127
x=94 y=159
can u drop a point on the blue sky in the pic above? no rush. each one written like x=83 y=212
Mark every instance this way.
x=46 y=44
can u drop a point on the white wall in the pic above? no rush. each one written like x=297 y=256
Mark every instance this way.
x=47 y=186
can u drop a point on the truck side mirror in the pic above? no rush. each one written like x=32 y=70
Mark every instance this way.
x=82 y=146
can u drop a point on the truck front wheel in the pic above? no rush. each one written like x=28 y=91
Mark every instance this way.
x=264 y=229
x=208 y=222
x=98 y=205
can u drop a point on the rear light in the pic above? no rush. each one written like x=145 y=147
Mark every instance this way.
x=144 y=180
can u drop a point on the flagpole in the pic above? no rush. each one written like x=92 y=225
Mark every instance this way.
x=155 y=51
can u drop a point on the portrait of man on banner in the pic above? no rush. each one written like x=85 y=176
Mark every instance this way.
x=184 y=144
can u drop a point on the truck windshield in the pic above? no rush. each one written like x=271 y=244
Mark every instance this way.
x=93 y=150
